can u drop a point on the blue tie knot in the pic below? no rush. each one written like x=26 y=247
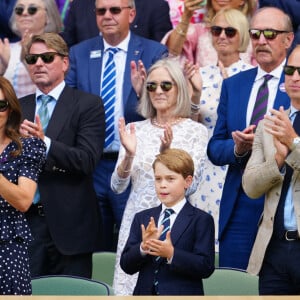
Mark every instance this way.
x=45 y=99
x=112 y=51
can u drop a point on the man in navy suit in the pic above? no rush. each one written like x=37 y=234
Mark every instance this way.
x=174 y=257
x=231 y=144
x=152 y=20
x=64 y=218
x=87 y=62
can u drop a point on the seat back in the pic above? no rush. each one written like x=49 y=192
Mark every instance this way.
x=104 y=266
x=227 y=281
x=68 y=285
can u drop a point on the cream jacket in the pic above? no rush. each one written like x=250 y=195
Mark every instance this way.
x=262 y=176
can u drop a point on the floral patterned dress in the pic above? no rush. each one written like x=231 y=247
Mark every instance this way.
x=209 y=192
x=14 y=231
x=187 y=135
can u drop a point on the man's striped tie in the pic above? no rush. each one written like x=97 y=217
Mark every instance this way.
x=261 y=103
x=108 y=95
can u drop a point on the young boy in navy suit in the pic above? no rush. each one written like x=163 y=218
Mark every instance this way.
x=174 y=256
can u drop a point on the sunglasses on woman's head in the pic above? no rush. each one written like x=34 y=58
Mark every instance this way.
x=216 y=31
x=31 y=10
x=47 y=57
x=269 y=34
x=3 y=105
x=290 y=70
x=164 y=85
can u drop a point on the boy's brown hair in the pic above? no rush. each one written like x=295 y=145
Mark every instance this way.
x=176 y=160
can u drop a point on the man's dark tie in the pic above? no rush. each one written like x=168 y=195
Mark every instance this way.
x=279 y=217
x=261 y=102
x=158 y=260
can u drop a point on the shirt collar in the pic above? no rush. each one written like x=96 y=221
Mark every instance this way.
x=123 y=45
x=177 y=207
x=55 y=93
x=275 y=73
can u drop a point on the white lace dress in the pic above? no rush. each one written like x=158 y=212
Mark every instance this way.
x=209 y=192
x=187 y=135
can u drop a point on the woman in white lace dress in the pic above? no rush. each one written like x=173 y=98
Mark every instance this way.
x=166 y=106
x=228 y=46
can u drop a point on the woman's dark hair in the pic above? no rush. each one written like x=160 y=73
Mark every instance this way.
x=12 y=127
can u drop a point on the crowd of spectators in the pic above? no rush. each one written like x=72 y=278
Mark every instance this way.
x=189 y=74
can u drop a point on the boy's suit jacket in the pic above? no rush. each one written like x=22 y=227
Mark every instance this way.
x=86 y=61
x=76 y=129
x=232 y=111
x=192 y=236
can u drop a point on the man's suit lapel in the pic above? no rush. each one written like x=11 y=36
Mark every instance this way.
x=62 y=109
x=95 y=65
x=134 y=53
x=245 y=91
x=182 y=221
x=281 y=98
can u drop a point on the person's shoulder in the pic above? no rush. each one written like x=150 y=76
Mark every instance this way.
x=194 y=125
x=146 y=42
x=242 y=76
x=199 y=213
x=33 y=146
x=81 y=95
x=87 y=44
x=147 y=211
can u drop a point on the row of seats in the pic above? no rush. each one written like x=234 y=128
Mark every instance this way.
x=223 y=281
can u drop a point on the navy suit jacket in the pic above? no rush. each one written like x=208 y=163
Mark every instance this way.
x=85 y=70
x=76 y=130
x=192 y=236
x=232 y=112
x=152 y=20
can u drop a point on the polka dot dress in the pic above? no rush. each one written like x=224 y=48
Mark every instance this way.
x=14 y=231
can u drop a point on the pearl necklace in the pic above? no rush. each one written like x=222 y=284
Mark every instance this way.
x=160 y=125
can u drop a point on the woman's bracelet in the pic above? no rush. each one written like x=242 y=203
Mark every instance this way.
x=180 y=31
x=124 y=171
x=195 y=106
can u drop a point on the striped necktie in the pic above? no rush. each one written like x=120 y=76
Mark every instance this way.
x=108 y=95
x=158 y=260
x=261 y=103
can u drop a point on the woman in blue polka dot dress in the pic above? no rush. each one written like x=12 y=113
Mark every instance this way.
x=21 y=161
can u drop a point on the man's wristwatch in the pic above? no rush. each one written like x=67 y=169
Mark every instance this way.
x=296 y=141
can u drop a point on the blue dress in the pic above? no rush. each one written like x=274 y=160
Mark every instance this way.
x=14 y=231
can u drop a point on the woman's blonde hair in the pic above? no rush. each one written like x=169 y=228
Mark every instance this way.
x=237 y=20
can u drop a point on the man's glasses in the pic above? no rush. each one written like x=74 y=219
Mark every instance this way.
x=47 y=57
x=31 y=10
x=164 y=85
x=216 y=31
x=290 y=70
x=114 y=10
x=3 y=105
x=269 y=34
